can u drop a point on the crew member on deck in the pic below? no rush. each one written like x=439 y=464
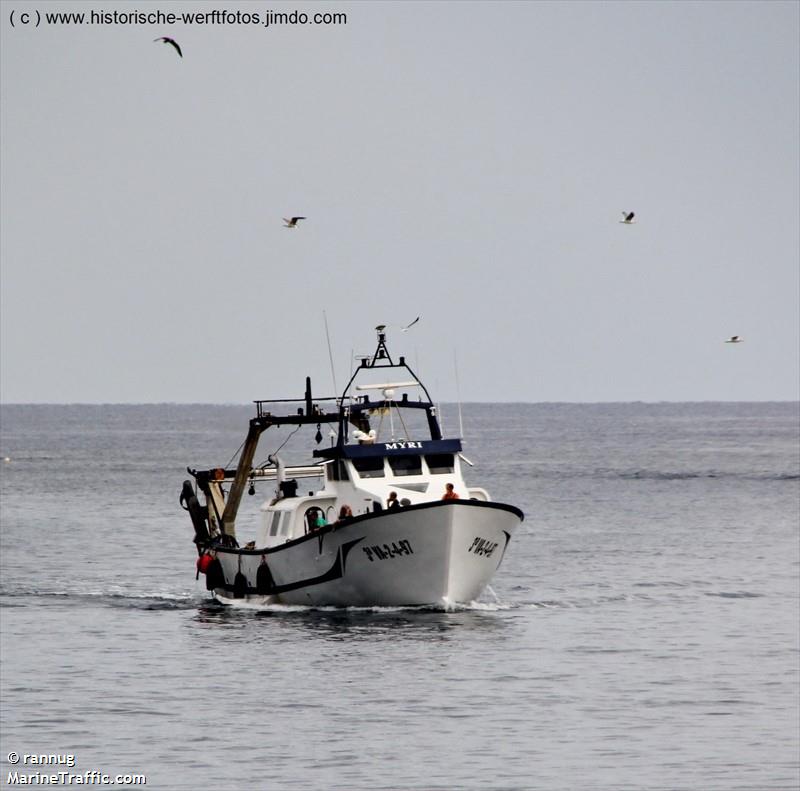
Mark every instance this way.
x=450 y=494
x=316 y=519
x=345 y=512
x=392 y=502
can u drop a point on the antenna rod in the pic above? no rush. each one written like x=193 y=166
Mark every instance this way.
x=458 y=396
x=330 y=353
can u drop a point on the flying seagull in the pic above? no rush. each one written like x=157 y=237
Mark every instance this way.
x=382 y=327
x=735 y=339
x=628 y=218
x=172 y=41
x=291 y=222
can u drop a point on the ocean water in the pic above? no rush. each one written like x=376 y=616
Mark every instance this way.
x=642 y=632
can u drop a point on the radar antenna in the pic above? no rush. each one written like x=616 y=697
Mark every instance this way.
x=381 y=353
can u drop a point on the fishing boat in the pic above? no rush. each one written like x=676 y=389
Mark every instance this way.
x=390 y=521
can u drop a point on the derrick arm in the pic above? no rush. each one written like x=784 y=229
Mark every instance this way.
x=257 y=426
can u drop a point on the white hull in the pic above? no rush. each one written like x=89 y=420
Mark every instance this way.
x=438 y=554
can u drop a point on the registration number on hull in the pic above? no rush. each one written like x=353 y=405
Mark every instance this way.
x=388 y=551
x=483 y=547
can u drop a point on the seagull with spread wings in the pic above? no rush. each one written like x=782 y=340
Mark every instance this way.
x=291 y=222
x=167 y=40
x=735 y=339
x=628 y=218
x=382 y=327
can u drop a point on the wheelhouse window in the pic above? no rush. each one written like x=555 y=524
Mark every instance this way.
x=406 y=465
x=276 y=518
x=439 y=463
x=337 y=471
x=369 y=468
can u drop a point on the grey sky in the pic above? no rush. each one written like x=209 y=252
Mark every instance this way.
x=465 y=162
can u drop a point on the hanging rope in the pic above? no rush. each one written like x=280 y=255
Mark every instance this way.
x=403 y=424
x=236 y=453
x=380 y=424
x=267 y=462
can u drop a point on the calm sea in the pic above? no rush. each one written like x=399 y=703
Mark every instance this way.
x=642 y=632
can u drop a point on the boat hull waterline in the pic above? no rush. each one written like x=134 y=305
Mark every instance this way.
x=435 y=554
